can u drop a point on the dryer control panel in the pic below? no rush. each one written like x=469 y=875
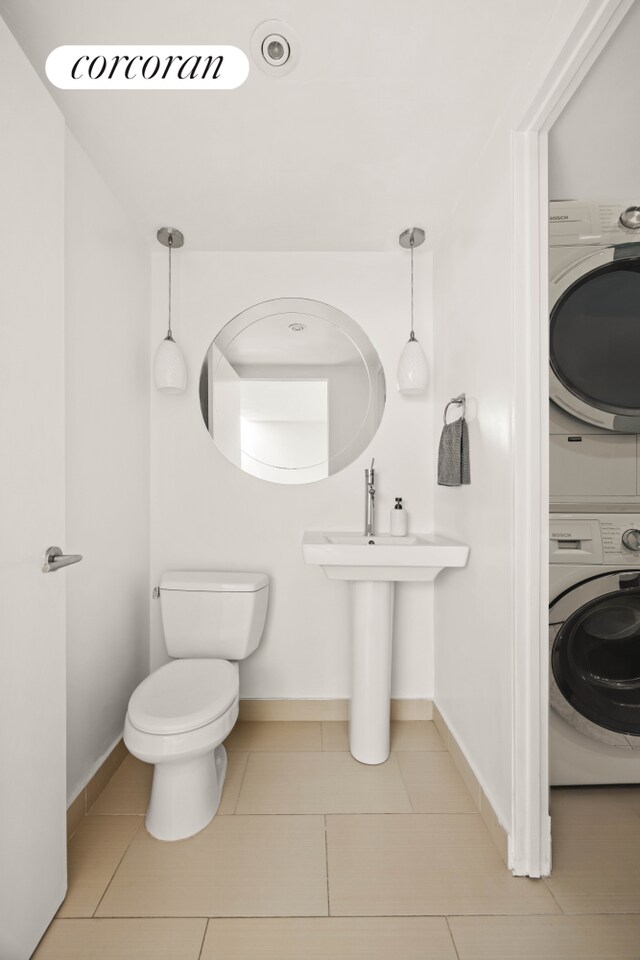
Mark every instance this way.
x=577 y=222
x=608 y=539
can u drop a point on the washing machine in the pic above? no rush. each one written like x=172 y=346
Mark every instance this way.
x=594 y=302
x=594 y=645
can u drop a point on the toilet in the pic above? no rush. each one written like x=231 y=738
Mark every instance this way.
x=178 y=717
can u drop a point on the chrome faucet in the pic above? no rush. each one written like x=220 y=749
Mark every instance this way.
x=370 y=496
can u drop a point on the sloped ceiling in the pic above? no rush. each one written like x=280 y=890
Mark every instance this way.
x=594 y=145
x=372 y=132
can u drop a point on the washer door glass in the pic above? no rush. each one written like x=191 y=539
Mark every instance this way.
x=595 y=338
x=596 y=661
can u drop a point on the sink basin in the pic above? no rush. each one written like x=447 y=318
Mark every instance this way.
x=352 y=556
x=360 y=541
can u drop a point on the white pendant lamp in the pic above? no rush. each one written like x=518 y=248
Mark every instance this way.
x=413 y=371
x=169 y=370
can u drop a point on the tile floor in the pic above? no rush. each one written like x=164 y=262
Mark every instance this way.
x=315 y=856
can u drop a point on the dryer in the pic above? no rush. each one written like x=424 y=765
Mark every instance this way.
x=594 y=343
x=594 y=646
x=594 y=304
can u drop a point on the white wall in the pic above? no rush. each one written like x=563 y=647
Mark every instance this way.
x=474 y=350
x=206 y=513
x=594 y=145
x=107 y=311
x=473 y=344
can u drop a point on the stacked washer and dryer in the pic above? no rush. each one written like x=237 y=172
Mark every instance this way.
x=594 y=552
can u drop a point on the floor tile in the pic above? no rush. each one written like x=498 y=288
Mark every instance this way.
x=293 y=710
x=433 y=783
x=415 y=735
x=276 y=736
x=320 y=783
x=554 y=938
x=596 y=876
x=235 y=867
x=95 y=850
x=423 y=864
x=346 y=938
x=122 y=940
x=128 y=790
x=595 y=813
x=335 y=735
x=405 y=735
x=236 y=766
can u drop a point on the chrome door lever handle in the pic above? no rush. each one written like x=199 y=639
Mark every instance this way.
x=55 y=559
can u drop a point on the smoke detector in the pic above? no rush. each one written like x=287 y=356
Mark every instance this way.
x=275 y=48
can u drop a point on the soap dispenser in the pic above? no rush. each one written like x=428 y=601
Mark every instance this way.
x=398 y=523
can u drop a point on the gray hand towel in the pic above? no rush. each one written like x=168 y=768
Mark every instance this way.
x=453 y=454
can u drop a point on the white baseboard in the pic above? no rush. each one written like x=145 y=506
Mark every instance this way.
x=326 y=710
x=499 y=833
x=103 y=770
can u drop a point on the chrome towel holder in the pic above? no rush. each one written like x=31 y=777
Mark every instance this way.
x=460 y=401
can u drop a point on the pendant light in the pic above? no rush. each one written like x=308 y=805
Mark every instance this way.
x=169 y=370
x=413 y=371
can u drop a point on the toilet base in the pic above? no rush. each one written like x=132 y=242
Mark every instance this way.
x=185 y=795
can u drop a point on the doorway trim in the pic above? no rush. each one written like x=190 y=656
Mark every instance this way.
x=530 y=840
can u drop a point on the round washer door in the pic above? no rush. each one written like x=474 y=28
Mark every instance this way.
x=594 y=339
x=595 y=654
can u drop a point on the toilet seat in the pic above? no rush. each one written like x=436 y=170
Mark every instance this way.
x=183 y=695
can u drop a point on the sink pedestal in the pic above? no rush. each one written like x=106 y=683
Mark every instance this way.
x=374 y=564
x=371 y=640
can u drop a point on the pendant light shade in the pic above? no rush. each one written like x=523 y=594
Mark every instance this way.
x=169 y=368
x=413 y=370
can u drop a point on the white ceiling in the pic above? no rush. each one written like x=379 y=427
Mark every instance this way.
x=372 y=132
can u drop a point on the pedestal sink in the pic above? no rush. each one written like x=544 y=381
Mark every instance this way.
x=373 y=565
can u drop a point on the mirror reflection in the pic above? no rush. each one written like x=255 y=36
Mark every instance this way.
x=292 y=390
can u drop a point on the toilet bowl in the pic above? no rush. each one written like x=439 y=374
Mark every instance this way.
x=179 y=716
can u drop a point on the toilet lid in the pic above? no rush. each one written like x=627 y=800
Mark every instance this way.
x=183 y=695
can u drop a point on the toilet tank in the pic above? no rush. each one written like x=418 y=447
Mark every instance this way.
x=213 y=615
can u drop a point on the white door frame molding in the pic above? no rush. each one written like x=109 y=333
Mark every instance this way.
x=530 y=839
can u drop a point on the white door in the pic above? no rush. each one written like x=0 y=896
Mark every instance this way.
x=32 y=507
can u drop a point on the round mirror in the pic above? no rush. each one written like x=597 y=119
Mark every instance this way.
x=292 y=390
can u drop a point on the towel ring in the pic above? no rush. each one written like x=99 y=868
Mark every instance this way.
x=460 y=401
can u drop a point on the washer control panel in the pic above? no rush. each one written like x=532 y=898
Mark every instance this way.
x=631 y=540
x=620 y=539
x=607 y=539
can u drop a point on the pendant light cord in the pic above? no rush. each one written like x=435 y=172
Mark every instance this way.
x=170 y=244
x=412 y=241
